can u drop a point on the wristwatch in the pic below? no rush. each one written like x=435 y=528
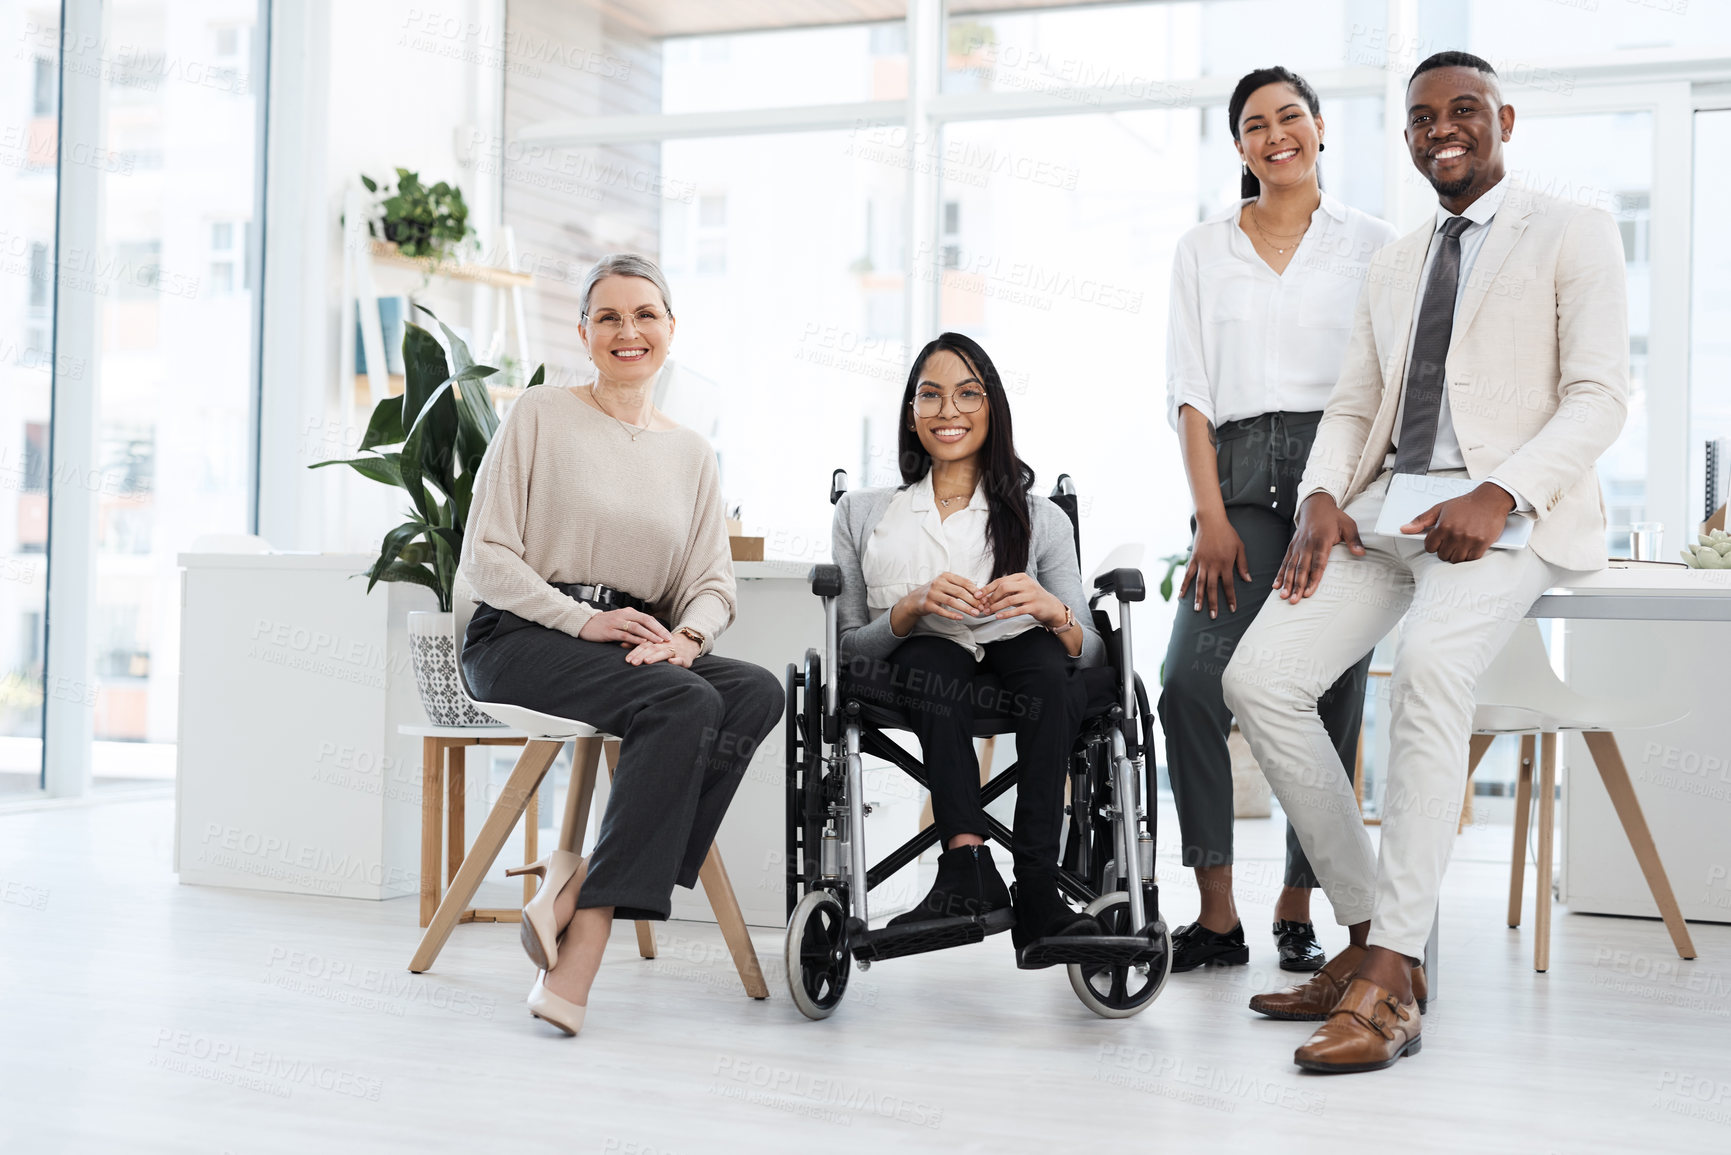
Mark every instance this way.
x=1069 y=623
x=694 y=635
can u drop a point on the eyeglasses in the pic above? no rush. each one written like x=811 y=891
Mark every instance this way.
x=930 y=402
x=612 y=321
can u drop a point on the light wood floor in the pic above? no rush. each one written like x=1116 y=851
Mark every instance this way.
x=140 y=1015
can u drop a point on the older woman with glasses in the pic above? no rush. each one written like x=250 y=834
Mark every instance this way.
x=959 y=572
x=597 y=547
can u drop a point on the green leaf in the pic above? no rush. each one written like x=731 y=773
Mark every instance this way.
x=372 y=185
x=409 y=465
x=386 y=424
x=384 y=468
x=462 y=494
x=392 y=549
x=539 y=377
x=399 y=571
x=424 y=370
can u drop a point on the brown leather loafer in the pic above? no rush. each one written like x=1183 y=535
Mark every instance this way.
x=1312 y=1000
x=1368 y=1031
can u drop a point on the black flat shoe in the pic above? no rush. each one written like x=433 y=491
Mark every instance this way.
x=1194 y=945
x=968 y=887
x=1047 y=931
x=1297 y=945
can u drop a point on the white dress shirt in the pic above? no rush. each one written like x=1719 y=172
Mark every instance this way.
x=912 y=544
x=1243 y=340
x=1447 y=452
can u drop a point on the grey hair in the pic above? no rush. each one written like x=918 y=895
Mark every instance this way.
x=627 y=265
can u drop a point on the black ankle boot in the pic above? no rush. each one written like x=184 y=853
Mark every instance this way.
x=1045 y=924
x=968 y=886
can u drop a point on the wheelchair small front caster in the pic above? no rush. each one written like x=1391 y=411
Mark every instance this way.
x=817 y=954
x=1119 y=990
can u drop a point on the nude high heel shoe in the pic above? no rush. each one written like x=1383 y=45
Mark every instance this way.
x=540 y=935
x=550 y=1008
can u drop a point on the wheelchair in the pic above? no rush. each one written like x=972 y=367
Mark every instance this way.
x=1107 y=862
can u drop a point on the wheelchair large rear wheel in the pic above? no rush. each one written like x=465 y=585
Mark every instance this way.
x=1119 y=991
x=817 y=955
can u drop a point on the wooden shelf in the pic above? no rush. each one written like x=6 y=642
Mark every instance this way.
x=385 y=253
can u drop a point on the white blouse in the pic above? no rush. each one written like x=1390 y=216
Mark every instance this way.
x=1243 y=340
x=911 y=545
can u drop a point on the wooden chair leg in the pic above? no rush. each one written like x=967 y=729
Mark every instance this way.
x=1523 y=807
x=719 y=889
x=1603 y=747
x=456 y=764
x=531 y=840
x=1547 y=821
x=1476 y=747
x=645 y=928
x=432 y=822
x=1358 y=772
x=585 y=754
x=519 y=788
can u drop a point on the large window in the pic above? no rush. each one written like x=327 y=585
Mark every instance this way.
x=29 y=133
x=1710 y=357
x=127 y=364
x=174 y=364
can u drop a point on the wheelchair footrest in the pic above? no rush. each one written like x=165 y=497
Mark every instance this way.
x=917 y=938
x=1111 y=950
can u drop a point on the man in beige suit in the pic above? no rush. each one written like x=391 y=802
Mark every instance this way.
x=1491 y=344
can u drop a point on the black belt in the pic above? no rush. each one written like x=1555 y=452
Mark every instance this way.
x=601 y=597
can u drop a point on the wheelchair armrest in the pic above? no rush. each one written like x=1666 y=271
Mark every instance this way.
x=826 y=581
x=1124 y=584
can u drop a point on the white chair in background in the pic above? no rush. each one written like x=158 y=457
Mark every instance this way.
x=1520 y=694
x=547 y=734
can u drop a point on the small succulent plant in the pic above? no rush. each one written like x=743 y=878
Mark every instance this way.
x=1714 y=552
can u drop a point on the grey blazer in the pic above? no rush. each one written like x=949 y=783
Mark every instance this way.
x=1051 y=562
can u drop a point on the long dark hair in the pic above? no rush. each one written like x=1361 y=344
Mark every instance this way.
x=1007 y=478
x=1248 y=185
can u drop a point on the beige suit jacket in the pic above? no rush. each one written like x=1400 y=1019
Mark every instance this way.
x=1537 y=370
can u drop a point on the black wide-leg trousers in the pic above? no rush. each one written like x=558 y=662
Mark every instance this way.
x=686 y=739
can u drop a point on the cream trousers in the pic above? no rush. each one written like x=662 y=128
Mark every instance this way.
x=1454 y=618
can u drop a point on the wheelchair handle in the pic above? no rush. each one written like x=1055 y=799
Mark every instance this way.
x=837 y=485
x=1124 y=584
x=825 y=581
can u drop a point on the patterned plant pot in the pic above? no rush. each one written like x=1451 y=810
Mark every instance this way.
x=434 y=652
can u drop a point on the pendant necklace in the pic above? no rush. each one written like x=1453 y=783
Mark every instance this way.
x=631 y=430
x=1269 y=240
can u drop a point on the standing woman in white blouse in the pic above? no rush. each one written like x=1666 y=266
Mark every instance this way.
x=597 y=547
x=958 y=576
x=1261 y=307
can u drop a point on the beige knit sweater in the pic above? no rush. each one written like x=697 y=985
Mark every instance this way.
x=565 y=495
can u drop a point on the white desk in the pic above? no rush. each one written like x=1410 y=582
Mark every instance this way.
x=1657 y=633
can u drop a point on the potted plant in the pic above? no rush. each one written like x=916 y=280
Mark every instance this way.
x=429 y=442
x=422 y=221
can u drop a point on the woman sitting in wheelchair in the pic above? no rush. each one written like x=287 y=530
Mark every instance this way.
x=962 y=596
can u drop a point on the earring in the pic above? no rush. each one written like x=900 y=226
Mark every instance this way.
x=1246 y=167
x=1321 y=147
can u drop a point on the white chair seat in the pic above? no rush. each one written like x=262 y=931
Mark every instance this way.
x=538 y=726
x=1520 y=693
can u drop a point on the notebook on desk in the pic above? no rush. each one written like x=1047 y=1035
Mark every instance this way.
x=1411 y=494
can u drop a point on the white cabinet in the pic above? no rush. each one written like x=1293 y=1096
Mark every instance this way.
x=292 y=776
x=1681 y=771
